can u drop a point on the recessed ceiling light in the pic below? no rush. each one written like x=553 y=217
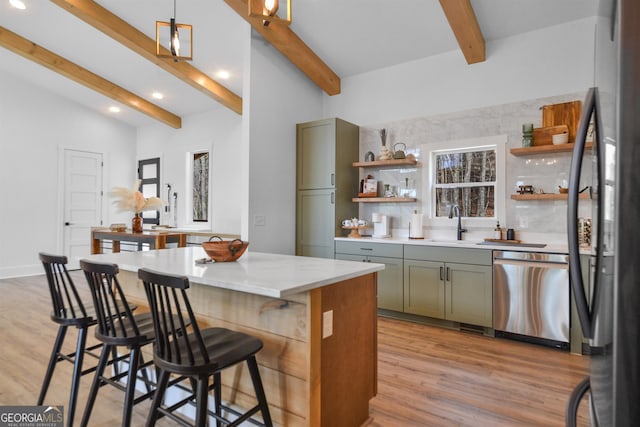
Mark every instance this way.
x=17 y=4
x=223 y=74
x=114 y=109
x=157 y=95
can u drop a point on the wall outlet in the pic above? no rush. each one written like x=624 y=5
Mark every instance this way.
x=259 y=220
x=327 y=324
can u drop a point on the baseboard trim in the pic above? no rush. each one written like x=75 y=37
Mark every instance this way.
x=20 y=271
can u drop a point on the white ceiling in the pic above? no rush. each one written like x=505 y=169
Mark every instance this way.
x=351 y=36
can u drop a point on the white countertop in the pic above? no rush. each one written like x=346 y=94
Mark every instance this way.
x=257 y=273
x=550 y=248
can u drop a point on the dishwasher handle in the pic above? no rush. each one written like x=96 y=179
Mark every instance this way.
x=529 y=263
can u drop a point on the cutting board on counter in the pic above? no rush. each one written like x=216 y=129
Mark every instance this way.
x=566 y=113
x=543 y=136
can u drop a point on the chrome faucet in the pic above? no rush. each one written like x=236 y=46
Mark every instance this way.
x=461 y=230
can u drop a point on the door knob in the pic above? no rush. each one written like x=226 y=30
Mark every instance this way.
x=67 y=223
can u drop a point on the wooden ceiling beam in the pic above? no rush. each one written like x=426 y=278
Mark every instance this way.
x=465 y=27
x=293 y=48
x=97 y=16
x=70 y=70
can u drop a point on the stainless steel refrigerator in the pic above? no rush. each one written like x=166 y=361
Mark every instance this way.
x=605 y=279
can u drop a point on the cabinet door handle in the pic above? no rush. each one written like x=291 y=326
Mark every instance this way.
x=441 y=268
x=448 y=279
x=333 y=198
x=333 y=179
x=366 y=249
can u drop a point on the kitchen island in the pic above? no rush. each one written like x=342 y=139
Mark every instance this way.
x=317 y=319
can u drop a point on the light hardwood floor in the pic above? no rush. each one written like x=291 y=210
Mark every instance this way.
x=427 y=376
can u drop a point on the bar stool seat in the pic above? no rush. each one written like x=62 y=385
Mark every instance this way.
x=197 y=355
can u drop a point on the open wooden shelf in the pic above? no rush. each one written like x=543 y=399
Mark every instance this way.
x=384 y=199
x=545 y=149
x=381 y=163
x=545 y=196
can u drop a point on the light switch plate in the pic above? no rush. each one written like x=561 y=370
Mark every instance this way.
x=327 y=324
x=259 y=220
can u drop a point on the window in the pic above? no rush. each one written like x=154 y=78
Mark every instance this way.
x=468 y=173
x=466 y=178
x=200 y=197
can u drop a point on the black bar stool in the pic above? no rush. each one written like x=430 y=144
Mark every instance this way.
x=197 y=355
x=68 y=310
x=117 y=326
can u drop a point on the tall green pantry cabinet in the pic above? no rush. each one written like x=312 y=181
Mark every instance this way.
x=325 y=181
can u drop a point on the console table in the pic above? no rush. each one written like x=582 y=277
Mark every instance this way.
x=155 y=239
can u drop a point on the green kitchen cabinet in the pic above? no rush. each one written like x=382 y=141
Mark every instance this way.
x=325 y=183
x=390 y=282
x=447 y=283
x=315 y=221
x=424 y=288
x=469 y=294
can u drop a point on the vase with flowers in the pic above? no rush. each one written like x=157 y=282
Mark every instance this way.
x=132 y=200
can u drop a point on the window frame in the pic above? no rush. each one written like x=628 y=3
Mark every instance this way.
x=204 y=224
x=498 y=142
x=155 y=161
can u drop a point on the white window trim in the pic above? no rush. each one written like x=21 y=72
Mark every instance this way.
x=497 y=141
x=189 y=193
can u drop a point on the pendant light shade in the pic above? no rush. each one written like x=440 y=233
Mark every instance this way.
x=174 y=40
x=269 y=11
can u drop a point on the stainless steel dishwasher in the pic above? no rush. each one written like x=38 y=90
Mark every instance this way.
x=531 y=296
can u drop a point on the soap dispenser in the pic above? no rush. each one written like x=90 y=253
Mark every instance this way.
x=497 y=232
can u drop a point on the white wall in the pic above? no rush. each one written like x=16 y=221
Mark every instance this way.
x=34 y=125
x=280 y=96
x=547 y=62
x=220 y=132
x=443 y=98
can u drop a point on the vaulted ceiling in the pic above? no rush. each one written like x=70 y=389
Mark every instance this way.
x=104 y=50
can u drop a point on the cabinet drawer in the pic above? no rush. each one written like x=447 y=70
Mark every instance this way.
x=368 y=248
x=448 y=254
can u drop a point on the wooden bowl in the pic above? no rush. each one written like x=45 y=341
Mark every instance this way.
x=563 y=190
x=224 y=250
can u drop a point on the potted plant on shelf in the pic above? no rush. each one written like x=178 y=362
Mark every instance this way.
x=132 y=200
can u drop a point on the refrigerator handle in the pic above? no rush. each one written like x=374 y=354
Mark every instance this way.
x=571 y=413
x=575 y=272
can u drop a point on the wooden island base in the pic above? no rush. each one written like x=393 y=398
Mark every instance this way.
x=309 y=380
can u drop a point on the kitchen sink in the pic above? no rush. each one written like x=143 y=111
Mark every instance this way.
x=517 y=245
x=455 y=242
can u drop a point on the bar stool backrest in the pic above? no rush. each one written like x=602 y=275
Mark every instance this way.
x=115 y=318
x=172 y=313
x=67 y=304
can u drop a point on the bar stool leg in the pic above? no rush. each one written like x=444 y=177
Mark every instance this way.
x=163 y=380
x=202 y=395
x=259 y=390
x=134 y=359
x=217 y=397
x=93 y=392
x=77 y=373
x=53 y=360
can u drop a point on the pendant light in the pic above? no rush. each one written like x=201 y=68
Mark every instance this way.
x=267 y=11
x=175 y=43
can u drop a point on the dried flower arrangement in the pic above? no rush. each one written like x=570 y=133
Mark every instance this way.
x=132 y=200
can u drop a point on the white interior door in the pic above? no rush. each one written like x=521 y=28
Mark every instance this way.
x=82 y=202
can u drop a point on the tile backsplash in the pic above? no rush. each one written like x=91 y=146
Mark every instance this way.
x=546 y=172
